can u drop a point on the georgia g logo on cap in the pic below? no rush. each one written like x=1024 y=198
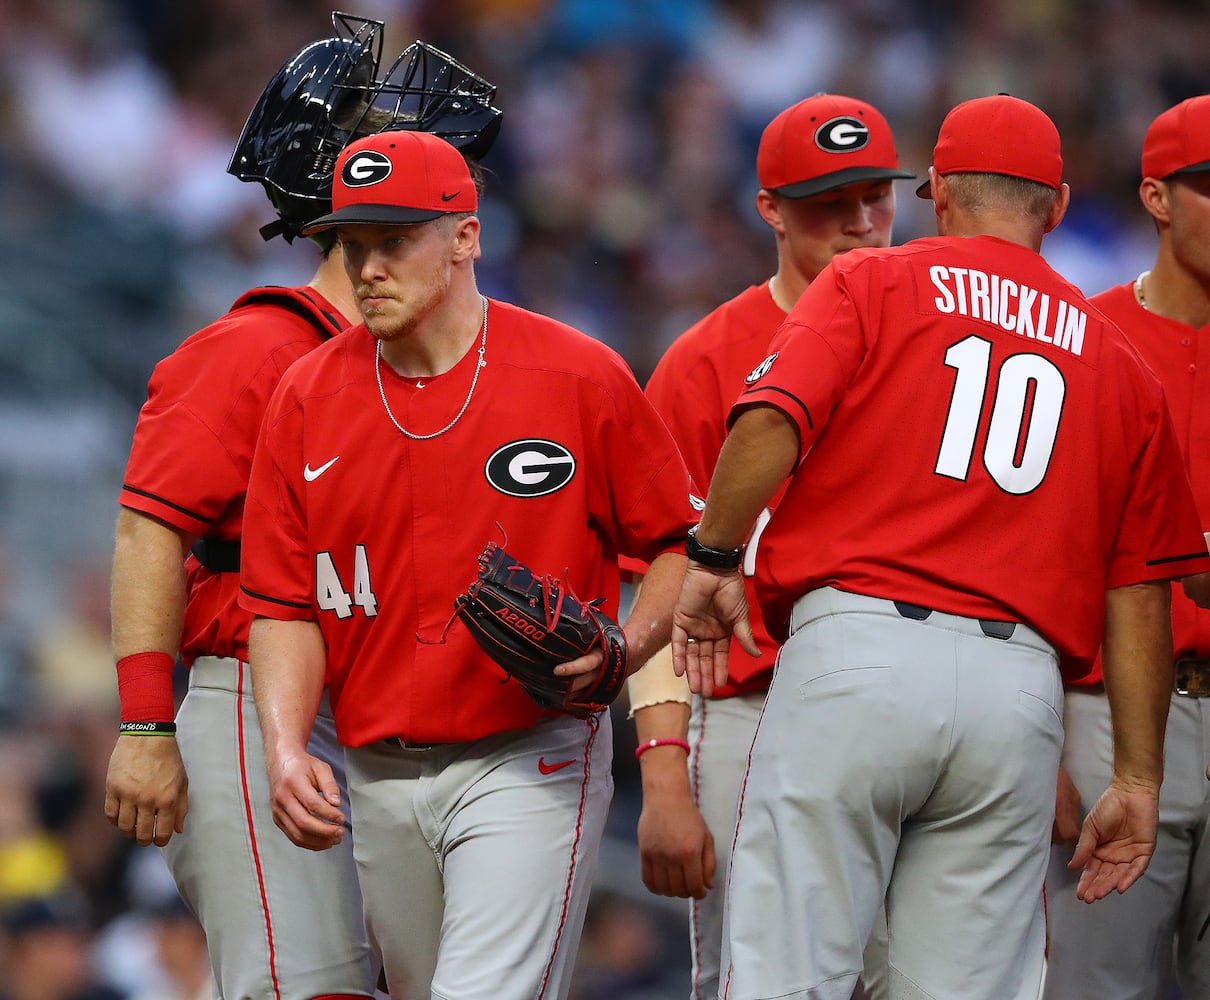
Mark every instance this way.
x=365 y=168
x=842 y=135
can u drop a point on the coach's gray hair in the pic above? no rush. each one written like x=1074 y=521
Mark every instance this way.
x=1002 y=194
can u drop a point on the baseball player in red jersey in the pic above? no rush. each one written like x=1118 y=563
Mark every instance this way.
x=280 y=922
x=982 y=473
x=1127 y=947
x=387 y=459
x=826 y=167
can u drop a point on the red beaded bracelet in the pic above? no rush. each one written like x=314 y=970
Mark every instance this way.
x=642 y=748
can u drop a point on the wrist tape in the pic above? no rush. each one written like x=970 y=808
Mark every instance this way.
x=145 y=687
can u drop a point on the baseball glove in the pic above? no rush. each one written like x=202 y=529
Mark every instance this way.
x=530 y=624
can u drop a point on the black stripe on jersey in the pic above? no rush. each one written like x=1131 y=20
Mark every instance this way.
x=1172 y=559
x=167 y=503
x=337 y=322
x=274 y=600
x=801 y=405
x=290 y=304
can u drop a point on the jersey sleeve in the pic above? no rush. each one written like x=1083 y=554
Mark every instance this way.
x=812 y=358
x=692 y=418
x=192 y=447
x=647 y=488
x=1160 y=536
x=276 y=575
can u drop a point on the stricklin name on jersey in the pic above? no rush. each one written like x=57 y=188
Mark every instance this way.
x=1011 y=306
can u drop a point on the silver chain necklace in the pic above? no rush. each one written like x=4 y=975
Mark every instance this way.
x=458 y=416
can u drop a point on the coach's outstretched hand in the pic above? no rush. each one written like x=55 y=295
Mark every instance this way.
x=1117 y=840
x=713 y=605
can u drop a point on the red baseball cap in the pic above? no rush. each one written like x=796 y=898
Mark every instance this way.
x=998 y=135
x=826 y=142
x=397 y=179
x=1178 y=141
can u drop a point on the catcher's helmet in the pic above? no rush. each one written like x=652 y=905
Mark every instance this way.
x=329 y=94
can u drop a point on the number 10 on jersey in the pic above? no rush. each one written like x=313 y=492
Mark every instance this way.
x=1023 y=422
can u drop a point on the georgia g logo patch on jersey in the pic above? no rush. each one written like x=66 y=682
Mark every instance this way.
x=842 y=135
x=365 y=168
x=761 y=370
x=531 y=467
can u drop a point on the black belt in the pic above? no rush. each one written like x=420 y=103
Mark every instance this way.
x=217 y=554
x=991 y=628
x=1192 y=678
x=402 y=744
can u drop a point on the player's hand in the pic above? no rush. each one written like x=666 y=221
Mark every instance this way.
x=675 y=844
x=583 y=670
x=306 y=800
x=1117 y=840
x=146 y=788
x=712 y=606
x=1066 y=828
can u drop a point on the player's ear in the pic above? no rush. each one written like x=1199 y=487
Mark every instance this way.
x=939 y=190
x=1058 y=208
x=768 y=207
x=1155 y=194
x=466 y=238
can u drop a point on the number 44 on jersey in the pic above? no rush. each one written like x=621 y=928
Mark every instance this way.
x=330 y=592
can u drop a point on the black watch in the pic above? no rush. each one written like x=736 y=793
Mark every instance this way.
x=713 y=558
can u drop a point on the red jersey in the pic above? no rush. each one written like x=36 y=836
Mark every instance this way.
x=193 y=442
x=558 y=456
x=693 y=387
x=1174 y=352
x=977 y=439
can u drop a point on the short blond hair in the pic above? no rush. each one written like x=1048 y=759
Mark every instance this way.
x=1001 y=193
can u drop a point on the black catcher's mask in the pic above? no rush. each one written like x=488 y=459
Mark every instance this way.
x=330 y=94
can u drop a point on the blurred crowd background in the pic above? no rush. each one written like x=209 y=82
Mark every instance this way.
x=619 y=200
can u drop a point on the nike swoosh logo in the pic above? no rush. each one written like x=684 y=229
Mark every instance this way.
x=449 y=197
x=546 y=768
x=310 y=475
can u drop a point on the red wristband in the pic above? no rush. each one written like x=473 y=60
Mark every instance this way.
x=145 y=687
x=643 y=747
